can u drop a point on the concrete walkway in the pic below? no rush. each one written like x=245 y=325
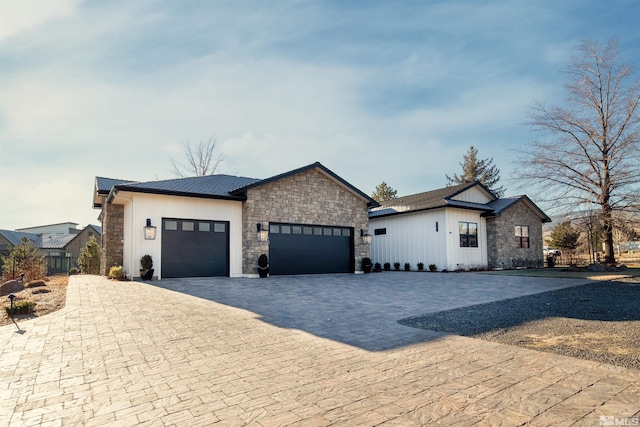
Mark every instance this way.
x=127 y=353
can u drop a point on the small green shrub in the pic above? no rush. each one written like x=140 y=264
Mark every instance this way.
x=551 y=261
x=21 y=307
x=396 y=266
x=387 y=266
x=116 y=272
x=433 y=267
x=407 y=266
x=420 y=266
x=73 y=270
x=146 y=262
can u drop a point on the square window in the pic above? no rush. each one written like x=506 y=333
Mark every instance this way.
x=285 y=229
x=296 y=229
x=337 y=232
x=275 y=229
x=171 y=225
x=346 y=232
x=328 y=232
x=204 y=226
x=187 y=226
x=219 y=227
x=307 y=230
x=317 y=231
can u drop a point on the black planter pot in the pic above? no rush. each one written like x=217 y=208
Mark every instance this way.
x=263 y=272
x=366 y=265
x=146 y=274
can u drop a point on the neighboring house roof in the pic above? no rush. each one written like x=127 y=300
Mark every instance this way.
x=226 y=187
x=440 y=198
x=15 y=237
x=54 y=241
x=316 y=165
x=500 y=205
x=28 y=229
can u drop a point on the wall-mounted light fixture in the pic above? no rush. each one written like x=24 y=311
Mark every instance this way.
x=149 y=231
x=366 y=237
x=263 y=235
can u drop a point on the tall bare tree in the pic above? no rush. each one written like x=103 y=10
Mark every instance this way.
x=199 y=160
x=589 y=150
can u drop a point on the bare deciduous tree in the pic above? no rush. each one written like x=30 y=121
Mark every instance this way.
x=199 y=160
x=591 y=151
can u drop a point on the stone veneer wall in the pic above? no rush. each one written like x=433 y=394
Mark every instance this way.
x=501 y=242
x=112 y=236
x=309 y=197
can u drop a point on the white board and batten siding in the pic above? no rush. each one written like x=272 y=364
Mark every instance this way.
x=415 y=237
x=411 y=238
x=156 y=207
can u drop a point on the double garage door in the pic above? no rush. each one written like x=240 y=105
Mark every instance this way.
x=199 y=248
x=310 y=249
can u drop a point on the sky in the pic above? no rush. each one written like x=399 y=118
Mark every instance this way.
x=393 y=91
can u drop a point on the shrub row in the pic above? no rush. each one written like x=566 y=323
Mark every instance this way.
x=407 y=266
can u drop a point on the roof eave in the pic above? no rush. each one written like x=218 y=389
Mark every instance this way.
x=118 y=188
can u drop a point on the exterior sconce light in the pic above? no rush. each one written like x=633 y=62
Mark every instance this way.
x=149 y=231
x=366 y=237
x=263 y=235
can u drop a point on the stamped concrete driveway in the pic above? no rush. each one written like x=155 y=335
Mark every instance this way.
x=292 y=351
x=361 y=310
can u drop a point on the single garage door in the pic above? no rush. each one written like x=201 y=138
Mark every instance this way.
x=310 y=249
x=194 y=248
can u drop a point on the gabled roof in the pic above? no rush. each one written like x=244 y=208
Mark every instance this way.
x=316 y=165
x=440 y=198
x=209 y=186
x=500 y=205
x=225 y=187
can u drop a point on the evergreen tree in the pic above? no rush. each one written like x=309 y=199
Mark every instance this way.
x=564 y=236
x=384 y=192
x=474 y=169
x=26 y=259
x=89 y=260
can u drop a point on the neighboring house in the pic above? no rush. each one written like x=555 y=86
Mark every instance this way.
x=60 y=228
x=308 y=220
x=61 y=250
x=458 y=228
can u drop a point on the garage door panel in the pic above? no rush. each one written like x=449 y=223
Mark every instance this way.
x=192 y=248
x=304 y=249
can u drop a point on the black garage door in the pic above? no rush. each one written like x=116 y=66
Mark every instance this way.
x=310 y=249
x=194 y=248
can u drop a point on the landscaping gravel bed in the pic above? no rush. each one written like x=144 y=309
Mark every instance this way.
x=597 y=321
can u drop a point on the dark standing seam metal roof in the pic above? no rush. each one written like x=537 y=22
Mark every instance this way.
x=226 y=187
x=209 y=186
x=434 y=199
x=15 y=237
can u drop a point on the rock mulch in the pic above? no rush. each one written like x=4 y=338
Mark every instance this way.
x=597 y=321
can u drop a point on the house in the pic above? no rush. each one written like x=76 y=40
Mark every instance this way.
x=458 y=228
x=60 y=244
x=308 y=220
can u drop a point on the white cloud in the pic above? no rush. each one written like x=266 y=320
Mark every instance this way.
x=20 y=16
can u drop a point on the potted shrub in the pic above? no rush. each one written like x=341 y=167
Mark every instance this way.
x=366 y=265
x=396 y=266
x=407 y=266
x=420 y=266
x=433 y=267
x=263 y=265
x=377 y=267
x=387 y=266
x=146 y=270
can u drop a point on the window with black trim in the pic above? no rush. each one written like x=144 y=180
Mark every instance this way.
x=468 y=234
x=379 y=231
x=522 y=236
